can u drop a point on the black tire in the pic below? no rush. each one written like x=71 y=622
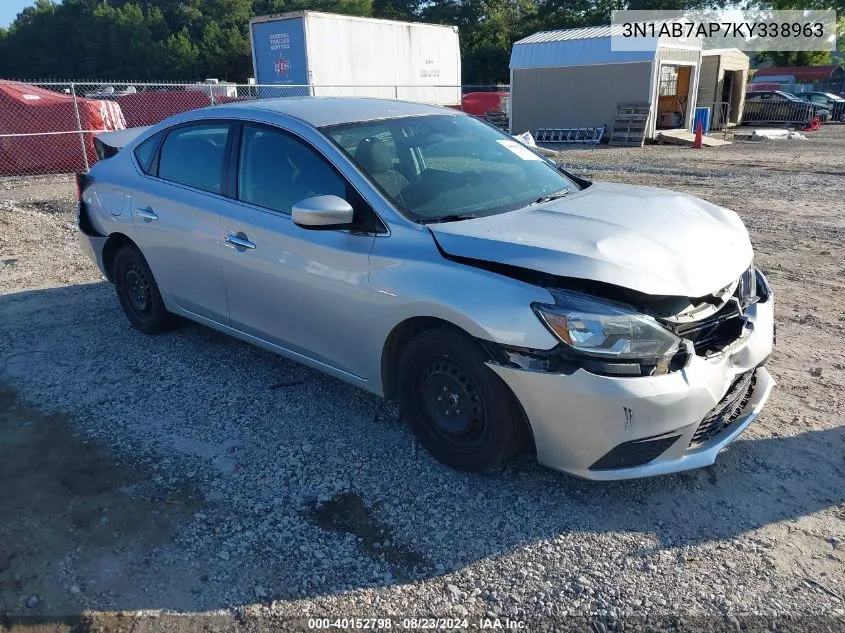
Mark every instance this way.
x=477 y=423
x=138 y=292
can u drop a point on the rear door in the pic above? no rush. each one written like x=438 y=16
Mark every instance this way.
x=302 y=289
x=176 y=213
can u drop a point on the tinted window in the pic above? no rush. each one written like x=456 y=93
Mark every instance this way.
x=145 y=152
x=193 y=156
x=277 y=171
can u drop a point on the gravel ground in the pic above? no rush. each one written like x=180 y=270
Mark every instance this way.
x=193 y=473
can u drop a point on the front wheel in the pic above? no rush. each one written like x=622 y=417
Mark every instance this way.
x=138 y=292
x=459 y=410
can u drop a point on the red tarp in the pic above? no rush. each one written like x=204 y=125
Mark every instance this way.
x=50 y=117
x=149 y=108
x=480 y=103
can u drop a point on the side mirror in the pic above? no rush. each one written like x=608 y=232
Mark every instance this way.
x=322 y=212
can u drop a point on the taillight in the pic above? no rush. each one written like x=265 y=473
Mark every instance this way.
x=83 y=181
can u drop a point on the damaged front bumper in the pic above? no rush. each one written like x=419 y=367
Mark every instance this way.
x=607 y=427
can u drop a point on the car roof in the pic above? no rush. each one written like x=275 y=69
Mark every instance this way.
x=321 y=111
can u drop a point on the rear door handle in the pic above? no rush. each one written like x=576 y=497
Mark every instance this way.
x=148 y=214
x=239 y=240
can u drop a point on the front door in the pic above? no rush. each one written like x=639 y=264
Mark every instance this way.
x=304 y=290
x=176 y=213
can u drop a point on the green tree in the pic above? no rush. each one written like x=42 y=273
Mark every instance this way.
x=794 y=58
x=188 y=40
x=180 y=56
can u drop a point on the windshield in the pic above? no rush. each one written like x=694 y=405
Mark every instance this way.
x=448 y=167
x=832 y=96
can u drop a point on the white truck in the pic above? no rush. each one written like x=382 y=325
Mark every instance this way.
x=325 y=54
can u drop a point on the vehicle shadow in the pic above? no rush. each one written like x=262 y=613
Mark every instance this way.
x=192 y=472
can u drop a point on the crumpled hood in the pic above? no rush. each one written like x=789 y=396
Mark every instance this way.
x=655 y=241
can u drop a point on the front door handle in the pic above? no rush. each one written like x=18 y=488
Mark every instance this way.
x=148 y=214
x=239 y=241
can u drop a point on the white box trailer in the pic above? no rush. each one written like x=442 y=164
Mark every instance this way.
x=325 y=54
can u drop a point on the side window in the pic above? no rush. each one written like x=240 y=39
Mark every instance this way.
x=145 y=152
x=276 y=170
x=193 y=155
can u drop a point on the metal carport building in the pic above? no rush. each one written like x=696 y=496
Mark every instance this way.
x=572 y=78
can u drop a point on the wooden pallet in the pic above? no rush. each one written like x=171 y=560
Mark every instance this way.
x=629 y=128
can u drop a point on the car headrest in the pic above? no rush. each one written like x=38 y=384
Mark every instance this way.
x=374 y=156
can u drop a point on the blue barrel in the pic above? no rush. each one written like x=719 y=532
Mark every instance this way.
x=702 y=115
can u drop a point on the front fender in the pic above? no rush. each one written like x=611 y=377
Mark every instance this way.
x=410 y=278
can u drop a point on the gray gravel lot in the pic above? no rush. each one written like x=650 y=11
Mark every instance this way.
x=194 y=473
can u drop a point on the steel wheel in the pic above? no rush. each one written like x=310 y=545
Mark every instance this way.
x=452 y=403
x=138 y=293
x=137 y=288
x=459 y=409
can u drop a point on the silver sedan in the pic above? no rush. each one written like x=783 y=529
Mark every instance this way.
x=423 y=255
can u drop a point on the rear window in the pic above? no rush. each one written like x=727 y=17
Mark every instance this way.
x=193 y=156
x=145 y=152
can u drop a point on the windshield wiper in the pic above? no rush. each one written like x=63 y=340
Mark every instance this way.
x=552 y=196
x=452 y=217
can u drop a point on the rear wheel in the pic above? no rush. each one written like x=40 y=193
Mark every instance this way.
x=461 y=412
x=138 y=293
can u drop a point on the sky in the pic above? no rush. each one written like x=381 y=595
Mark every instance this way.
x=10 y=8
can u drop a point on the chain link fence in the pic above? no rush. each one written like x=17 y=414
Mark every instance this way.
x=49 y=127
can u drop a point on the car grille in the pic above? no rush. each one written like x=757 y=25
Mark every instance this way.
x=724 y=414
x=716 y=332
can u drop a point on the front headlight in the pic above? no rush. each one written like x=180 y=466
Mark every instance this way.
x=605 y=330
x=748 y=287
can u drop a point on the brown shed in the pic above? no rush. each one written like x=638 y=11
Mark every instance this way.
x=724 y=74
